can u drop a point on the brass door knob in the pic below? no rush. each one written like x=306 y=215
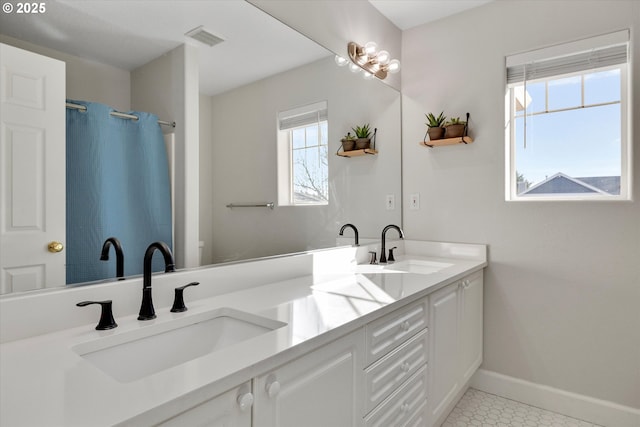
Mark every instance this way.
x=55 y=247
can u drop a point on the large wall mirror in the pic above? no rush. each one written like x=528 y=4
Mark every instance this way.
x=262 y=69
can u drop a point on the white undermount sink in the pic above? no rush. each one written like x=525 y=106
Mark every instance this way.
x=417 y=266
x=409 y=265
x=136 y=354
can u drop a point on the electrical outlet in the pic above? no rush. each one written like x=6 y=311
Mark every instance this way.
x=391 y=202
x=414 y=201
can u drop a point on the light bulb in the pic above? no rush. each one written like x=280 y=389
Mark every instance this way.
x=340 y=61
x=394 y=66
x=367 y=75
x=383 y=57
x=370 y=49
x=354 y=68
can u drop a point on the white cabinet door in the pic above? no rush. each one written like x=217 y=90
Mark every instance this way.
x=32 y=170
x=443 y=348
x=230 y=409
x=323 y=388
x=471 y=317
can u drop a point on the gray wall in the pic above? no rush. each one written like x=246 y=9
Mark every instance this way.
x=562 y=301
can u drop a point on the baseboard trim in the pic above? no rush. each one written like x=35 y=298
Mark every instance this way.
x=575 y=405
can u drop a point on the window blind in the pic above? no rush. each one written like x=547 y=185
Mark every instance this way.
x=303 y=116
x=602 y=51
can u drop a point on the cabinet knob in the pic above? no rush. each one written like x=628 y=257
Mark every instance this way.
x=405 y=325
x=404 y=407
x=406 y=366
x=273 y=388
x=245 y=401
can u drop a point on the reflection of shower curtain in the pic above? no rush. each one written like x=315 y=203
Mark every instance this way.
x=117 y=185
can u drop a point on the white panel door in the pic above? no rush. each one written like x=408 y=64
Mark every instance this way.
x=321 y=389
x=230 y=409
x=471 y=318
x=32 y=170
x=443 y=349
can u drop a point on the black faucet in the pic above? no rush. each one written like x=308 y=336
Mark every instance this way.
x=104 y=255
x=355 y=230
x=383 y=257
x=147 y=311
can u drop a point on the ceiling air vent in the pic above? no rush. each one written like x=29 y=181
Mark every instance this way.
x=203 y=36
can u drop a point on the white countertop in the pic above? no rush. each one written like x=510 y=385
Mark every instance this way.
x=44 y=382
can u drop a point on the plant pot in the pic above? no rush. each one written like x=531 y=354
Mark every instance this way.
x=362 y=143
x=454 y=131
x=435 y=133
x=348 y=144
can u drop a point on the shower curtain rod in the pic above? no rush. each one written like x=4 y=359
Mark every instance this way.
x=119 y=114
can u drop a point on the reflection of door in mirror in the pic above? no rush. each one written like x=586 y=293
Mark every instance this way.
x=32 y=178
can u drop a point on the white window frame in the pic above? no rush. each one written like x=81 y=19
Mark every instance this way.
x=288 y=121
x=619 y=37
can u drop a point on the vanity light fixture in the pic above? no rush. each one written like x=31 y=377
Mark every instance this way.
x=374 y=62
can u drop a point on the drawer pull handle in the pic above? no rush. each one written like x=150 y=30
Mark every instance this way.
x=405 y=325
x=405 y=367
x=245 y=401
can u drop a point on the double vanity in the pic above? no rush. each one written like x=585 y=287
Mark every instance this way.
x=314 y=339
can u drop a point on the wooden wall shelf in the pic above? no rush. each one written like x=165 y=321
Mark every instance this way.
x=356 y=153
x=447 y=141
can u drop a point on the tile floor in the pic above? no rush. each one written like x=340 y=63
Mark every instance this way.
x=477 y=408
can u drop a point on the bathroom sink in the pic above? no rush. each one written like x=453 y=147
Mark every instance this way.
x=417 y=266
x=136 y=354
x=410 y=265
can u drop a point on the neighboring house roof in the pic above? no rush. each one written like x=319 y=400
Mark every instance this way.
x=610 y=184
x=561 y=183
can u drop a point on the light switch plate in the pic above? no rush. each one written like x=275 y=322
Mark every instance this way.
x=391 y=202
x=414 y=201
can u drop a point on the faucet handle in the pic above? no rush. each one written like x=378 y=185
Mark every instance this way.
x=391 y=258
x=373 y=257
x=178 y=301
x=106 y=316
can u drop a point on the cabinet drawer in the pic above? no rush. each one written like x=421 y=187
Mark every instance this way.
x=384 y=334
x=387 y=374
x=407 y=404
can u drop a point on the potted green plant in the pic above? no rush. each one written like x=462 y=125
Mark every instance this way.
x=348 y=142
x=454 y=128
x=435 y=131
x=363 y=134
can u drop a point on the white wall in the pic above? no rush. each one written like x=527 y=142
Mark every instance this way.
x=87 y=80
x=243 y=130
x=562 y=291
x=206 y=177
x=168 y=87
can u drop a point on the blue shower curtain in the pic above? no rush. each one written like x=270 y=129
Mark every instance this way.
x=117 y=185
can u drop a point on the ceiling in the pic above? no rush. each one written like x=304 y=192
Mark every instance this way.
x=407 y=14
x=129 y=34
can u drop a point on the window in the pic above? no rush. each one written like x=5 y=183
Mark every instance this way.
x=303 y=156
x=567 y=127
